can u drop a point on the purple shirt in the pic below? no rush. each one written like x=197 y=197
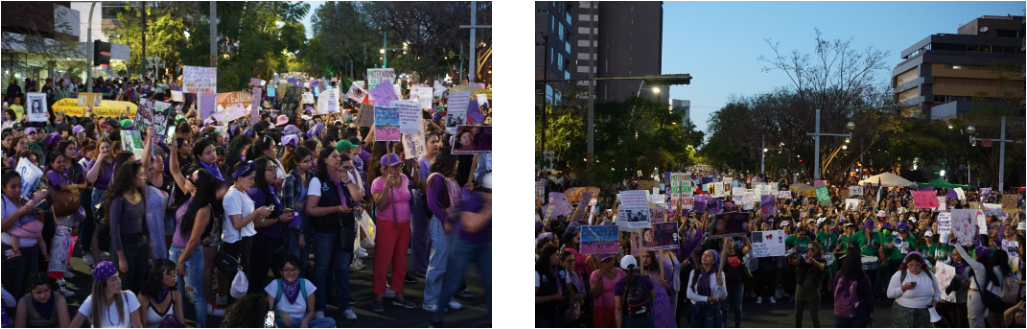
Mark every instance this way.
x=55 y=179
x=274 y=230
x=425 y=168
x=179 y=240
x=103 y=179
x=126 y=218
x=436 y=190
x=472 y=202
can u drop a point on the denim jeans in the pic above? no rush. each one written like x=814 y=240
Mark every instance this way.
x=329 y=258
x=861 y=320
x=461 y=254
x=17 y=270
x=315 y=323
x=193 y=279
x=707 y=316
x=290 y=243
x=734 y=302
x=437 y=263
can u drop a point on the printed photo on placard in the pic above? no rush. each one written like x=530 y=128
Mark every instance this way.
x=473 y=140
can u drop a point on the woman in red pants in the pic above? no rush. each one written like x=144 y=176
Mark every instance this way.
x=391 y=193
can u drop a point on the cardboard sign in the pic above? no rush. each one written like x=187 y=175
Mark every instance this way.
x=35 y=109
x=925 y=199
x=768 y=243
x=852 y=204
x=943 y=275
x=413 y=144
x=424 y=97
x=964 y=226
x=365 y=118
x=856 y=191
x=456 y=112
x=823 y=196
x=731 y=224
x=383 y=95
x=133 y=142
x=377 y=76
x=1009 y=202
x=386 y=124
x=409 y=116
x=599 y=239
x=30 y=175
x=90 y=99
x=561 y=205
x=662 y=236
x=634 y=209
x=199 y=80
x=784 y=195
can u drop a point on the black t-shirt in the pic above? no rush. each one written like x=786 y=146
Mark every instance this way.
x=549 y=284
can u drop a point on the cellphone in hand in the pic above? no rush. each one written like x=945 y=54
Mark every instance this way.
x=269 y=321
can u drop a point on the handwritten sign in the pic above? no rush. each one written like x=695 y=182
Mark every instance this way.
x=383 y=94
x=423 y=95
x=634 y=209
x=982 y=222
x=30 y=175
x=199 y=80
x=768 y=243
x=925 y=199
x=409 y=116
x=943 y=275
x=235 y=112
x=456 y=112
x=964 y=226
x=944 y=222
x=413 y=144
x=386 y=124
x=823 y=196
x=377 y=76
x=784 y=195
x=855 y=191
x=599 y=239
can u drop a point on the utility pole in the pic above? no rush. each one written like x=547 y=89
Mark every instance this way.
x=473 y=58
x=213 y=34
x=545 y=88
x=591 y=90
x=816 y=143
x=146 y=67
x=89 y=53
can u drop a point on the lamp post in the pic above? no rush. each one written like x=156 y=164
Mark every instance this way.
x=816 y=143
x=157 y=64
x=764 y=155
x=385 y=43
x=971 y=130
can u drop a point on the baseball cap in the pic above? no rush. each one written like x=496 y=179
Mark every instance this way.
x=344 y=145
x=388 y=160
x=627 y=262
x=928 y=233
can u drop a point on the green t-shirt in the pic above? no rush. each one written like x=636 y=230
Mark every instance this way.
x=844 y=242
x=867 y=248
x=802 y=245
x=828 y=240
x=896 y=253
x=936 y=252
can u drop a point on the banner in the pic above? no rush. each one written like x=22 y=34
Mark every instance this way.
x=409 y=116
x=925 y=199
x=199 y=80
x=662 y=236
x=634 y=209
x=856 y=191
x=768 y=243
x=964 y=226
x=599 y=239
x=386 y=124
x=456 y=112
x=823 y=195
x=30 y=175
x=561 y=205
x=383 y=95
x=376 y=76
x=36 y=107
x=730 y=224
x=943 y=275
x=413 y=144
x=255 y=107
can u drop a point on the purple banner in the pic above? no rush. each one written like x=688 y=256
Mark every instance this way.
x=926 y=188
x=208 y=105
x=769 y=205
x=952 y=194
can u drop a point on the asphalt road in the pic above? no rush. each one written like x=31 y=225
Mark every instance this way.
x=782 y=315
x=474 y=314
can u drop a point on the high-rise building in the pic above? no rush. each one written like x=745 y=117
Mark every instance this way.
x=553 y=38
x=682 y=105
x=940 y=75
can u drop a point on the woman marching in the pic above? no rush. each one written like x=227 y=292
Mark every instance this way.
x=811 y=275
x=853 y=310
x=706 y=288
x=915 y=292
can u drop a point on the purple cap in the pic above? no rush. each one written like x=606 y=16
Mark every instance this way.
x=103 y=271
x=53 y=138
x=77 y=130
x=30 y=130
x=290 y=140
x=291 y=130
x=390 y=160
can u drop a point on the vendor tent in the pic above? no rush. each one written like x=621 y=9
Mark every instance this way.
x=887 y=180
x=942 y=183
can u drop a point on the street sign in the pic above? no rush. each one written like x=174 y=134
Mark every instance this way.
x=986 y=142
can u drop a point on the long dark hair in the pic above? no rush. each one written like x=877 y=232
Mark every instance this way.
x=241 y=314
x=445 y=162
x=543 y=265
x=124 y=178
x=155 y=277
x=259 y=146
x=322 y=169
x=50 y=158
x=235 y=148
x=198 y=148
x=206 y=195
x=292 y=161
x=852 y=267
x=260 y=165
x=374 y=168
x=999 y=259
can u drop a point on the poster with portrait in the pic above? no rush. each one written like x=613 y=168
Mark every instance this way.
x=456 y=111
x=662 y=236
x=413 y=144
x=599 y=239
x=768 y=243
x=473 y=140
x=36 y=107
x=729 y=224
x=386 y=124
x=634 y=209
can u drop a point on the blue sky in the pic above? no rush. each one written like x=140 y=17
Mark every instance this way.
x=719 y=43
x=310 y=15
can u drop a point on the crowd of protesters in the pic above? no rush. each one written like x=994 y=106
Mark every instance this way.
x=233 y=219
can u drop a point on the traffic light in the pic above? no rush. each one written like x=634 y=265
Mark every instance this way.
x=101 y=53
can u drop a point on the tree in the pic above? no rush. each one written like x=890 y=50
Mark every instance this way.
x=165 y=27
x=342 y=41
x=258 y=35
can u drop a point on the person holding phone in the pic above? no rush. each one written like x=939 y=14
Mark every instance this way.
x=269 y=227
x=15 y=211
x=915 y=291
x=330 y=205
x=811 y=276
x=391 y=192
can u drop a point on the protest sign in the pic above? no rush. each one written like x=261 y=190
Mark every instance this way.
x=383 y=95
x=561 y=205
x=377 y=76
x=438 y=89
x=579 y=212
x=599 y=239
x=409 y=116
x=943 y=275
x=456 y=113
x=61 y=247
x=30 y=175
x=540 y=190
x=90 y=99
x=982 y=222
x=819 y=183
x=255 y=106
x=784 y=195
x=730 y=224
x=386 y=123
x=177 y=96
x=718 y=190
x=634 y=209
x=413 y=144
x=687 y=203
x=852 y=204
x=964 y=226
x=208 y=105
x=658 y=214
x=994 y=209
x=855 y=191
x=748 y=201
x=960 y=194
x=36 y=107
x=737 y=192
x=944 y=222
x=255 y=82
x=768 y=204
x=662 y=236
x=356 y=93
x=473 y=140
x=925 y=199
x=768 y=243
x=199 y=80
x=365 y=118
x=160 y=113
x=423 y=95
x=144 y=117
x=942 y=204
x=235 y=112
x=1009 y=203
x=985 y=192
x=131 y=141
x=823 y=196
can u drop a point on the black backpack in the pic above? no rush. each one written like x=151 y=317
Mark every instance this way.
x=638 y=301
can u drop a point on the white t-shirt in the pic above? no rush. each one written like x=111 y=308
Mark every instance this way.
x=296 y=311
x=314 y=188
x=131 y=305
x=237 y=203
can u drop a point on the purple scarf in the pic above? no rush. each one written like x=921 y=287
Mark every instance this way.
x=291 y=290
x=703 y=286
x=213 y=169
x=45 y=309
x=162 y=296
x=960 y=267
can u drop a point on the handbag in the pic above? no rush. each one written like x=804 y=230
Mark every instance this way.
x=226 y=264
x=347 y=235
x=65 y=203
x=170 y=321
x=1011 y=291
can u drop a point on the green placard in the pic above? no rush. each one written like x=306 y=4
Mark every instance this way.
x=823 y=195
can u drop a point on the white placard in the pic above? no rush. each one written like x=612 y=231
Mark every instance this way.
x=768 y=243
x=634 y=209
x=30 y=175
x=852 y=204
x=35 y=107
x=855 y=190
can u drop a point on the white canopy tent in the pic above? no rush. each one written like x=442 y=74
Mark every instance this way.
x=887 y=180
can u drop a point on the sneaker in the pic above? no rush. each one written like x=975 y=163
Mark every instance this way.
x=463 y=293
x=365 y=245
x=68 y=274
x=377 y=306
x=88 y=259
x=777 y=294
x=222 y=301
x=350 y=315
x=63 y=290
x=773 y=301
x=352 y=301
x=409 y=279
x=331 y=307
x=389 y=294
x=759 y=300
x=214 y=310
x=430 y=307
x=453 y=305
x=319 y=315
x=405 y=304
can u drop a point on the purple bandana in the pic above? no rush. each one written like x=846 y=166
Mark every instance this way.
x=291 y=290
x=213 y=170
x=45 y=309
x=162 y=296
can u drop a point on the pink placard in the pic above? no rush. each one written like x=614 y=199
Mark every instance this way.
x=819 y=183
x=925 y=199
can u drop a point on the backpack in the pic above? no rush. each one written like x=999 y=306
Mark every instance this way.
x=303 y=290
x=845 y=300
x=638 y=301
x=1011 y=291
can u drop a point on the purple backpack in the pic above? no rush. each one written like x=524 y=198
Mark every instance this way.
x=846 y=298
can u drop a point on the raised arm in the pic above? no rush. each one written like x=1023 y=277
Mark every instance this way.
x=148 y=150
x=176 y=172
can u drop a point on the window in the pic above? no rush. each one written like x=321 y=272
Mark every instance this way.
x=561 y=30
x=567 y=45
x=559 y=62
x=111 y=9
x=1005 y=33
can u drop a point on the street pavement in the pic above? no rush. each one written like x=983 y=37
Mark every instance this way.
x=474 y=314
x=782 y=315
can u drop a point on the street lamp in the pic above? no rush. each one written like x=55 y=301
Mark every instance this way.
x=763 y=156
x=816 y=143
x=971 y=130
x=656 y=90
x=156 y=64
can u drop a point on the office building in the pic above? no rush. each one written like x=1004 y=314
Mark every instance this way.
x=682 y=105
x=941 y=74
x=553 y=39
